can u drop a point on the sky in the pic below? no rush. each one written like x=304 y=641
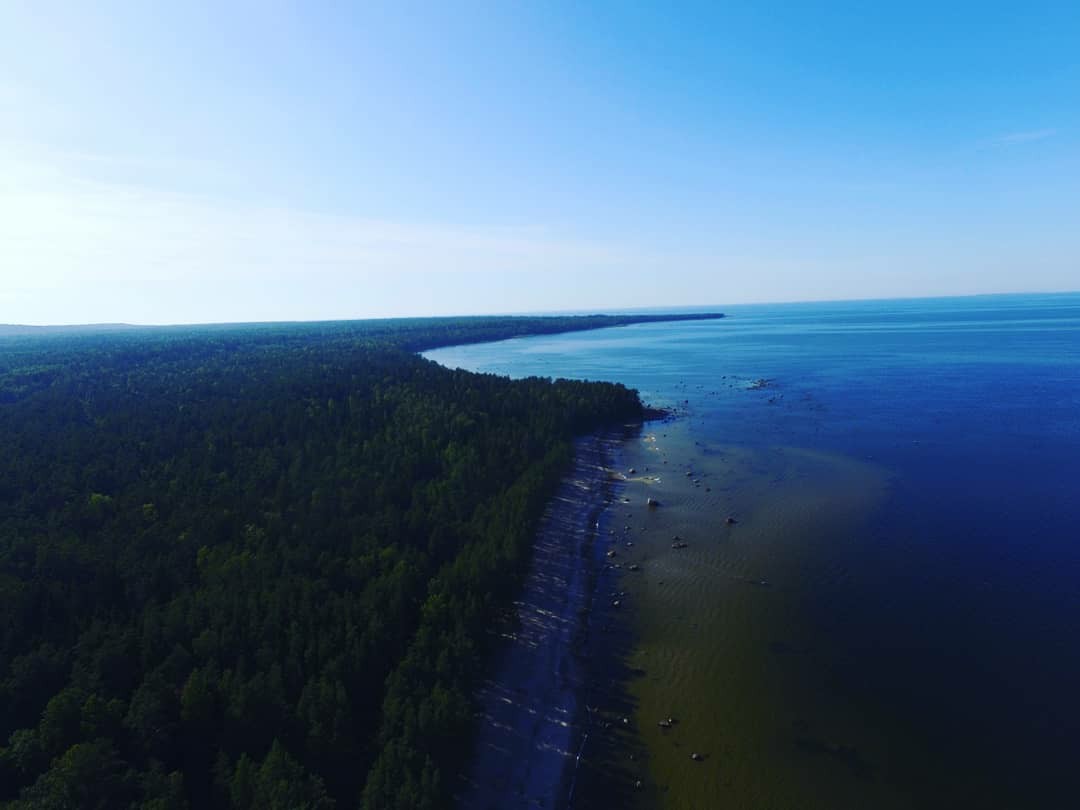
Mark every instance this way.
x=207 y=162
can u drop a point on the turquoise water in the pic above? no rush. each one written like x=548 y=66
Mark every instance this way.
x=951 y=628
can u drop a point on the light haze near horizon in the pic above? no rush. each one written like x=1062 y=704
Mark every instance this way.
x=179 y=163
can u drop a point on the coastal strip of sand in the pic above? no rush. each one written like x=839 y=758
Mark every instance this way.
x=535 y=711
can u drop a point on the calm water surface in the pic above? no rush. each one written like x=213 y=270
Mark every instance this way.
x=894 y=620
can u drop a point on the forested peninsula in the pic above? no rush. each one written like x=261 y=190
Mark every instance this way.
x=254 y=566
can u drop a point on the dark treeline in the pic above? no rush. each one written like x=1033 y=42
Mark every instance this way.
x=410 y=334
x=254 y=567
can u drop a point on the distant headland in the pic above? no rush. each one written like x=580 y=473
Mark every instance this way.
x=410 y=334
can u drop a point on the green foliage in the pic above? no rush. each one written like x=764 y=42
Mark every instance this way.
x=254 y=567
x=88 y=776
x=279 y=783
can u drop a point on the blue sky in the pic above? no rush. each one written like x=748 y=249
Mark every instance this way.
x=167 y=163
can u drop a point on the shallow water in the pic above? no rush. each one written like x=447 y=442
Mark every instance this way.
x=905 y=487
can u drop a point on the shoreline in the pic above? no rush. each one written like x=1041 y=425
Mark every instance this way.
x=553 y=689
x=611 y=769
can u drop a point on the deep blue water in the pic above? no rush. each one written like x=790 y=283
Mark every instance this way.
x=963 y=623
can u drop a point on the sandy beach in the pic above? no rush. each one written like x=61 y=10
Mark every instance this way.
x=535 y=709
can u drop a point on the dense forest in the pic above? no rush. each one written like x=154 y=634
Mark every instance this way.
x=409 y=334
x=253 y=566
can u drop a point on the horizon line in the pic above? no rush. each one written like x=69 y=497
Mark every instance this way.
x=656 y=310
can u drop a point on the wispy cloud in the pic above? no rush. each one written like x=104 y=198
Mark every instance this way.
x=1026 y=136
x=57 y=226
x=155 y=255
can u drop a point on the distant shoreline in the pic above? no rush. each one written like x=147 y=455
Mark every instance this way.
x=410 y=334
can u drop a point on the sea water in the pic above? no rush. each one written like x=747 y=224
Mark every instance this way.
x=893 y=617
